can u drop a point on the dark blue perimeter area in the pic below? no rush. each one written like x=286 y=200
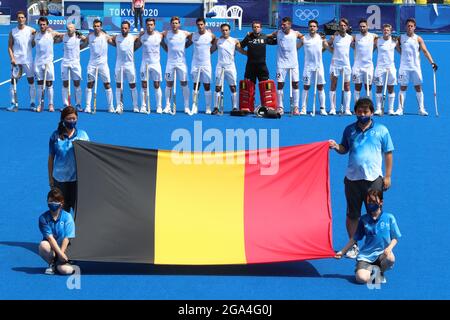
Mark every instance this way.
x=418 y=198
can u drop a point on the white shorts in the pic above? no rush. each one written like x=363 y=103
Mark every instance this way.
x=129 y=73
x=154 y=72
x=282 y=73
x=380 y=76
x=75 y=72
x=39 y=72
x=205 y=74
x=309 y=76
x=407 y=76
x=229 y=73
x=103 y=73
x=337 y=70
x=27 y=68
x=181 y=72
x=362 y=75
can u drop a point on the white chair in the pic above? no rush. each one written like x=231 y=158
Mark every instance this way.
x=235 y=12
x=221 y=11
x=33 y=10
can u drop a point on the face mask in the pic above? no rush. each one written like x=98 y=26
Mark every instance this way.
x=54 y=206
x=70 y=124
x=364 y=119
x=372 y=207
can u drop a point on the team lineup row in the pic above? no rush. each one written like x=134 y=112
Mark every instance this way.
x=175 y=41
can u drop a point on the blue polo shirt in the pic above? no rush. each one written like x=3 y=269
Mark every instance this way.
x=62 y=227
x=366 y=150
x=378 y=235
x=64 y=166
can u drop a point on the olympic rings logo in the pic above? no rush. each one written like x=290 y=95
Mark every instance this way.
x=306 y=14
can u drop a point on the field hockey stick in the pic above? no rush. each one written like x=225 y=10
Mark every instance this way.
x=342 y=92
x=291 y=96
x=367 y=84
x=383 y=99
x=313 y=113
x=435 y=94
x=173 y=110
x=121 y=91
x=41 y=103
x=222 y=82
x=16 y=74
x=147 y=90
x=95 y=89
x=68 y=88
x=196 y=90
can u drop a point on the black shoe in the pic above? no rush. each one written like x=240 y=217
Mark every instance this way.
x=215 y=111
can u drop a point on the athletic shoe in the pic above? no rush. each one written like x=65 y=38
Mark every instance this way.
x=79 y=108
x=187 y=110
x=234 y=109
x=111 y=110
x=383 y=279
x=135 y=30
x=119 y=109
x=13 y=107
x=391 y=112
x=167 y=110
x=348 y=112
x=33 y=106
x=378 y=112
x=136 y=109
x=51 y=108
x=353 y=252
x=323 y=112
x=87 y=110
x=159 y=110
x=332 y=112
x=280 y=110
x=423 y=112
x=303 y=112
x=50 y=269
x=295 y=112
x=143 y=109
x=216 y=111
x=194 y=110
x=399 y=112
x=208 y=111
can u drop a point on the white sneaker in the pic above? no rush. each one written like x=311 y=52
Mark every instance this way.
x=135 y=109
x=50 y=269
x=323 y=112
x=391 y=112
x=399 y=112
x=280 y=111
x=143 y=109
x=348 y=112
x=353 y=252
x=378 y=112
x=194 y=110
x=159 y=110
x=167 y=109
x=119 y=109
x=423 y=112
x=87 y=110
x=303 y=112
x=187 y=110
x=332 y=112
x=111 y=109
x=208 y=111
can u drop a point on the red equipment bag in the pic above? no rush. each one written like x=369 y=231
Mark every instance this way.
x=246 y=95
x=268 y=94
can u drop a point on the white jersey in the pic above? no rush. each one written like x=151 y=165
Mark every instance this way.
x=22 y=44
x=98 y=47
x=175 y=47
x=71 y=50
x=386 y=50
x=364 y=50
x=202 y=47
x=226 y=49
x=313 y=51
x=125 y=50
x=151 y=47
x=44 y=48
x=410 y=57
x=287 y=49
x=341 y=51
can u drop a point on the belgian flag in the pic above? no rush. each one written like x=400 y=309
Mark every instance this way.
x=164 y=207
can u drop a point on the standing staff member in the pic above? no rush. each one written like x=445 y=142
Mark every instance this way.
x=20 y=45
x=137 y=6
x=366 y=142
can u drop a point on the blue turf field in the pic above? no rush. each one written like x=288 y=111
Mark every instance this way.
x=418 y=198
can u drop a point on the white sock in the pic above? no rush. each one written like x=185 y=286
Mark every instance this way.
x=39 y=92
x=401 y=99
x=186 y=96
x=322 y=98
x=304 y=98
x=118 y=96
x=11 y=92
x=109 y=98
x=167 y=94
x=234 y=100
x=64 y=96
x=144 y=98
x=332 y=100
x=356 y=95
x=296 y=94
x=369 y=94
x=216 y=99
x=50 y=94
x=391 y=101
x=379 y=98
x=158 y=96
x=347 y=98
x=32 y=90
x=88 y=97
x=134 y=97
x=419 y=96
x=280 y=95
x=208 y=96
x=78 y=95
